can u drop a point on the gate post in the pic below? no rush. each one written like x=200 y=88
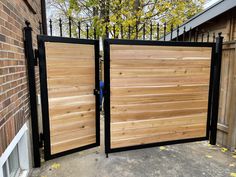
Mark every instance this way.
x=29 y=54
x=216 y=89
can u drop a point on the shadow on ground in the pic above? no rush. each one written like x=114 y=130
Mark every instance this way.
x=183 y=160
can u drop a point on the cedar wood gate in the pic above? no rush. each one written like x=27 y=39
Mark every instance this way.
x=140 y=77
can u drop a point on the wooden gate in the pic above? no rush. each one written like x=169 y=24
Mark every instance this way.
x=157 y=93
x=69 y=79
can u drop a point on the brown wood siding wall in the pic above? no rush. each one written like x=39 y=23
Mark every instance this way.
x=71 y=80
x=158 y=93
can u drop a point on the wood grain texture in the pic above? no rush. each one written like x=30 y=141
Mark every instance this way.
x=71 y=80
x=158 y=93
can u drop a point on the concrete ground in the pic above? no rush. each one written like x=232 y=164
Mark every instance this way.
x=183 y=160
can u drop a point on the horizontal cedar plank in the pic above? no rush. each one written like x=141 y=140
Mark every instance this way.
x=117 y=117
x=144 y=99
x=143 y=132
x=72 y=143
x=72 y=126
x=70 y=91
x=145 y=90
x=159 y=106
x=159 y=52
x=145 y=63
x=80 y=107
x=196 y=133
x=71 y=117
x=74 y=71
x=69 y=63
x=166 y=121
x=71 y=100
x=72 y=134
x=168 y=80
x=83 y=80
x=69 y=51
x=144 y=73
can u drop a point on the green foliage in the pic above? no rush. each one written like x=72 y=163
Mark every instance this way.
x=101 y=13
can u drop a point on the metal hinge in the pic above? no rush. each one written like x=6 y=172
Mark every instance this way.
x=96 y=92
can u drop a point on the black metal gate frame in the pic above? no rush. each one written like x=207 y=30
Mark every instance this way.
x=213 y=97
x=44 y=91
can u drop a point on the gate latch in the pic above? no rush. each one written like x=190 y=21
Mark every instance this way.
x=96 y=92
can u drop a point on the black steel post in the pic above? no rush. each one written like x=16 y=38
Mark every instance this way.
x=79 y=30
x=216 y=89
x=144 y=31
x=158 y=31
x=208 y=36
x=151 y=31
x=121 y=31
x=114 y=31
x=107 y=32
x=202 y=37
x=70 y=26
x=214 y=37
x=184 y=33
x=164 y=31
x=190 y=34
x=87 y=31
x=136 y=30
x=29 y=53
x=129 y=35
x=171 y=32
x=60 y=26
x=177 y=38
x=50 y=26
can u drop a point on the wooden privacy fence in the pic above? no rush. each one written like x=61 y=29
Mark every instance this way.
x=158 y=93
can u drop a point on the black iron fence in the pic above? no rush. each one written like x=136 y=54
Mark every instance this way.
x=141 y=31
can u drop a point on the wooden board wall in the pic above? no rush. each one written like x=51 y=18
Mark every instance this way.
x=226 y=134
x=71 y=80
x=158 y=93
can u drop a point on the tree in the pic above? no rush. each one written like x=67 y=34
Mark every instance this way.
x=126 y=15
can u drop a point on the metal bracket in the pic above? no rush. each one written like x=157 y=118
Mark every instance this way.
x=96 y=92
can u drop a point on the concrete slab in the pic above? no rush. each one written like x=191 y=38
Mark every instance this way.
x=183 y=160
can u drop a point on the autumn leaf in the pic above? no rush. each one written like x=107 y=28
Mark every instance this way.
x=209 y=156
x=233 y=174
x=56 y=165
x=162 y=148
x=224 y=149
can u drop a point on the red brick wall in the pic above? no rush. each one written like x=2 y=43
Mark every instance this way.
x=14 y=97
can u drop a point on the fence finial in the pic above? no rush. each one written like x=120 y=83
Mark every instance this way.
x=27 y=23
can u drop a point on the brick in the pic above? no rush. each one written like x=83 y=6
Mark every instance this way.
x=14 y=96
